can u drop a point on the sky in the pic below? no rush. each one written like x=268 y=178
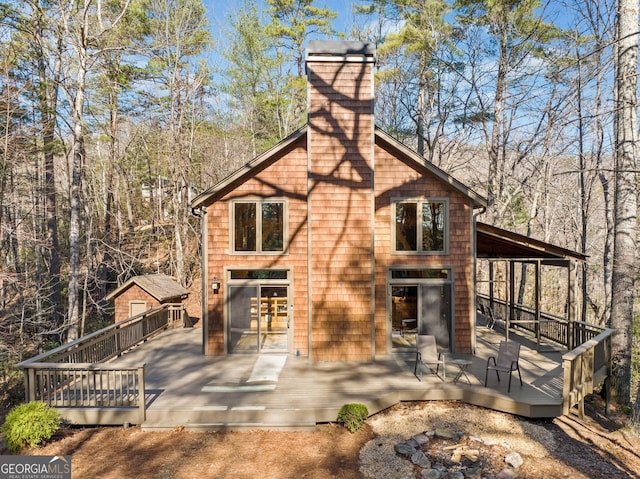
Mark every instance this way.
x=554 y=9
x=218 y=9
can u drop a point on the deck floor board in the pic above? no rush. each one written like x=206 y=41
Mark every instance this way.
x=183 y=387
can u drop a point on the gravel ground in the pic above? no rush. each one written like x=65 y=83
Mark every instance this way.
x=378 y=459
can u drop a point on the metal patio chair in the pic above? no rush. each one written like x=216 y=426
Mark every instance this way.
x=427 y=353
x=507 y=361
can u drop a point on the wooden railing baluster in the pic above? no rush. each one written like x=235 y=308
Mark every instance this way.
x=75 y=375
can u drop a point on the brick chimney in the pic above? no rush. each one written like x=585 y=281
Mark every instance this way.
x=340 y=165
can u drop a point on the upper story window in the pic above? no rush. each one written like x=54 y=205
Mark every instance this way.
x=421 y=226
x=258 y=226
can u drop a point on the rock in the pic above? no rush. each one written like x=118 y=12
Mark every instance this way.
x=445 y=434
x=473 y=473
x=430 y=474
x=404 y=449
x=456 y=475
x=421 y=439
x=507 y=474
x=413 y=443
x=514 y=460
x=442 y=470
x=420 y=459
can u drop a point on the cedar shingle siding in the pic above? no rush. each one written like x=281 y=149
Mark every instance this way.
x=338 y=177
x=340 y=198
x=133 y=293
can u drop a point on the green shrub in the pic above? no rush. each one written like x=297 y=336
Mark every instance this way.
x=29 y=424
x=353 y=415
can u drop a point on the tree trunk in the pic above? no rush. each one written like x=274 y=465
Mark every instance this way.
x=48 y=105
x=495 y=157
x=77 y=167
x=625 y=203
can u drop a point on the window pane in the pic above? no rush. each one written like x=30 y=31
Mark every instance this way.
x=420 y=274
x=258 y=274
x=406 y=232
x=272 y=227
x=245 y=226
x=433 y=227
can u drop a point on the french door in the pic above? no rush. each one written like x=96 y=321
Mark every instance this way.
x=258 y=318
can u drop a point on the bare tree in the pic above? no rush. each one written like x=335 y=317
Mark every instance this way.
x=82 y=24
x=625 y=198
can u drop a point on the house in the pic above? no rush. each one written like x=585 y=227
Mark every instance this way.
x=339 y=243
x=142 y=293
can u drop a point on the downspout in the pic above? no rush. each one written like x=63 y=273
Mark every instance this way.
x=474 y=294
x=200 y=213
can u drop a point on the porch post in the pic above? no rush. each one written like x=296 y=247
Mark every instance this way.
x=571 y=303
x=537 y=301
x=491 y=279
x=512 y=290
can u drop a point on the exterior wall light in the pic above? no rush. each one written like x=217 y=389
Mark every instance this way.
x=215 y=285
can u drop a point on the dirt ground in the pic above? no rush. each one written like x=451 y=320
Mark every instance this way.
x=596 y=447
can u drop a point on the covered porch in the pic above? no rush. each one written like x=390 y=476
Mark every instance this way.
x=513 y=275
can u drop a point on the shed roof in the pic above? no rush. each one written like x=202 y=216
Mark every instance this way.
x=160 y=286
x=494 y=242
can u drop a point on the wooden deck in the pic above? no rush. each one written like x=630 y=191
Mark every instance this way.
x=185 y=388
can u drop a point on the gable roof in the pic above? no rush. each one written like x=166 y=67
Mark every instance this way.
x=420 y=163
x=208 y=196
x=160 y=286
x=414 y=159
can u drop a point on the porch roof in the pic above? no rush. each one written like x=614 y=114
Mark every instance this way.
x=497 y=243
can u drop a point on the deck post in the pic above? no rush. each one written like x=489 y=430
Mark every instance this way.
x=141 y=396
x=29 y=381
x=571 y=300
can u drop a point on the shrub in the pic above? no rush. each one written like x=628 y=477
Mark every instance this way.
x=29 y=424
x=352 y=416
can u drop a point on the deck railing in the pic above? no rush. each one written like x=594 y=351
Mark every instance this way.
x=585 y=368
x=75 y=375
x=588 y=362
x=569 y=334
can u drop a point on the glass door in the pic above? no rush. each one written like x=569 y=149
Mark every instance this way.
x=435 y=304
x=258 y=318
x=420 y=303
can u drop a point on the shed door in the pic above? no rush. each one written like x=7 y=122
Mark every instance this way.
x=137 y=307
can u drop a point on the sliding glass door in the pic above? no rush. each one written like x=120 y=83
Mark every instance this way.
x=258 y=318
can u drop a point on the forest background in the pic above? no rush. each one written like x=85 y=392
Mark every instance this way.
x=115 y=113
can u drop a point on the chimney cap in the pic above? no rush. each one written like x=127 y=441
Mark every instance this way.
x=341 y=48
